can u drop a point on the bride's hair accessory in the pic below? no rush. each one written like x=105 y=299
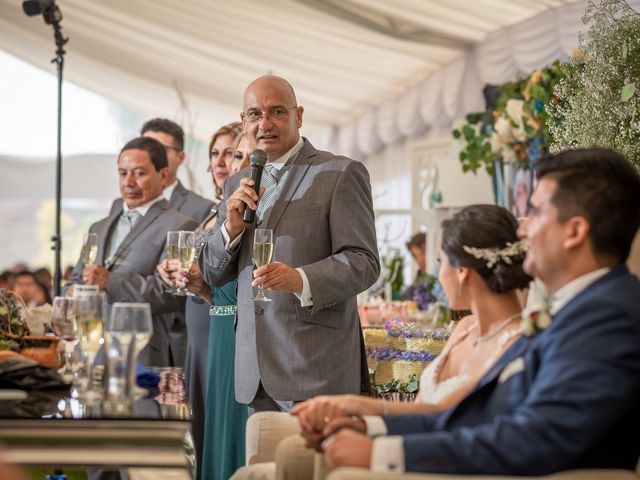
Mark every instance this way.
x=494 y=255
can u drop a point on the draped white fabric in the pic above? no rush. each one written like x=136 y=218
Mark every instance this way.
x=364 y=85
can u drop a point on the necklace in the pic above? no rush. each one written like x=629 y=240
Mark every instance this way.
x=495 y=331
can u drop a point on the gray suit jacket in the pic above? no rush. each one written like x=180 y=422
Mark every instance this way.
x=185 y=201
x=324 y=223
x=133 y=277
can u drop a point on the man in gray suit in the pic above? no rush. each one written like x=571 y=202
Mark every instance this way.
x=307 y=341
x=171 y=136
x=131 y=243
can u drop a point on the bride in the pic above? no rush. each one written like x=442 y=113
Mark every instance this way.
x=481 y=269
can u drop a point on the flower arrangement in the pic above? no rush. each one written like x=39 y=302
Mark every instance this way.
x=423 y=291
x=598 y=99
x=516 y=129
x=13 y=326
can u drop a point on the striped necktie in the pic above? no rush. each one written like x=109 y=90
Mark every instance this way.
x=270 y=195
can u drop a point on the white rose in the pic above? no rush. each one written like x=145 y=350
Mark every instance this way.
x=515 y=110
x=502 y=127
x=519 y=134
x=496 y=143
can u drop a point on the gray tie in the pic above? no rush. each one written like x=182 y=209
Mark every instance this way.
x=125 y=223
x=270 y=184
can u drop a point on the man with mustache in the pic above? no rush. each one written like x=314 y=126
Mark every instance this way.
x=131 y=243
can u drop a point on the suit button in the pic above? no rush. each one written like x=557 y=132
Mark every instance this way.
x=258 y=310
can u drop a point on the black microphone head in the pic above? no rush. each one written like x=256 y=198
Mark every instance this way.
x=258 y=158
x=35 y=7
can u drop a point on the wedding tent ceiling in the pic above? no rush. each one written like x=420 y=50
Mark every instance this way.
x=344 y=57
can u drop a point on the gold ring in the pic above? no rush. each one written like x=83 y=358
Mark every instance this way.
x=326 y=419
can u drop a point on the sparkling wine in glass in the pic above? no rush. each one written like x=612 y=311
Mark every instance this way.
x=173 y=253
x=89 y=248
x=187 y=252
x=91 y=312
x=262 y=253
x=63 y=322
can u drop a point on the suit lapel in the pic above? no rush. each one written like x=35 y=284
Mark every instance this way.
x=516 y=350
x=298 y=170
x=179 y=196
x=141 y=225
x=105 y=235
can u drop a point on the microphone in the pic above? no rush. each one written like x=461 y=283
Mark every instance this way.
x=257 y=159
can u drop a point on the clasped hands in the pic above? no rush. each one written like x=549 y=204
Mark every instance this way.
x=330 y=425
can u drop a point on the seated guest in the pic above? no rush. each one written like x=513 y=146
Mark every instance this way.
x=472 y=280
x=565 y=398
x=25 y=286
x=131 y=242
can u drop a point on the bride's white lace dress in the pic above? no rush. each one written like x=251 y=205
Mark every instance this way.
x=433 y=392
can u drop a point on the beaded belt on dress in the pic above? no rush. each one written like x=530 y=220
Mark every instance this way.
x=223 y=310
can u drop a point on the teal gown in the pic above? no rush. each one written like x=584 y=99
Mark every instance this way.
x=225 y=419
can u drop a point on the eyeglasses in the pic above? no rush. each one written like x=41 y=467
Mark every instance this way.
x=275 y=113
x=169 y=147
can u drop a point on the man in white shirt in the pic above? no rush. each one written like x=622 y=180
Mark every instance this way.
x=563 y=399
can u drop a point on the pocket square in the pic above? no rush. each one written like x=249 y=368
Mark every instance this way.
x=516 y=366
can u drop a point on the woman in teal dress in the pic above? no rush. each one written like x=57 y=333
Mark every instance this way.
x=224 y=421
x=224 y=441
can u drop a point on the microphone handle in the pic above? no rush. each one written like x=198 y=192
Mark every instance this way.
x=256 y=176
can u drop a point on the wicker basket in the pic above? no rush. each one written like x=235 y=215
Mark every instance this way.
x=375 y=337
x=372 y=363
x=384 y=372
x=418 y=344
x=404 y=369
x=435 y=347
x=396 y=342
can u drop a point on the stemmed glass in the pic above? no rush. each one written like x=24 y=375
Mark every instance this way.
x=64 y=325
x=173 y=253
x=127 y=332
x=89 y=248
x=91 y=312
x=262 y=253
x=187 y=249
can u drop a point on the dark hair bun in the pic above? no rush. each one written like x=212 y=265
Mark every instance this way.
x=485 y=227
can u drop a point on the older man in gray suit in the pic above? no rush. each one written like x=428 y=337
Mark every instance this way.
x=131 y=243
x=307 y=341
x=171 y=136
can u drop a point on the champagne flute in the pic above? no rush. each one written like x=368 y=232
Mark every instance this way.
x=63 y=322
x=89 y=248
x=262 y=253
x=91 y=311
x=187 y=249
x=173 y=253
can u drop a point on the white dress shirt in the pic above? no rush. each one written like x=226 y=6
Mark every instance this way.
x=306 y=300
x=169 y=189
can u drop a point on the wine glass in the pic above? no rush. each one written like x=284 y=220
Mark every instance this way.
x=89 y=248
x=136 y=319
x=262 y=252
x=91 y=312
x=81 y=289
x=173 y=253
x=187 y=249
x=63 y=322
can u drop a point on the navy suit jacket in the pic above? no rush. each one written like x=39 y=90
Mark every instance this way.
x=568 y=398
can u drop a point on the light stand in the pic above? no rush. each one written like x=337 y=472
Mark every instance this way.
x=52 y=16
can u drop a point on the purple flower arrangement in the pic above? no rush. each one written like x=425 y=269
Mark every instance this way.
x=391 y=354
x=422 y=357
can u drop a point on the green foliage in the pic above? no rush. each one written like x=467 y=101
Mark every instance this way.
x=598 y=104
x=394 y=267
x=517 y=130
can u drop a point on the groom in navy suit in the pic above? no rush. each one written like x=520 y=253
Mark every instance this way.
x=568 y=397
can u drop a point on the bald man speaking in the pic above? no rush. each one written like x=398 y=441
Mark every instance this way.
x=307 y=341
